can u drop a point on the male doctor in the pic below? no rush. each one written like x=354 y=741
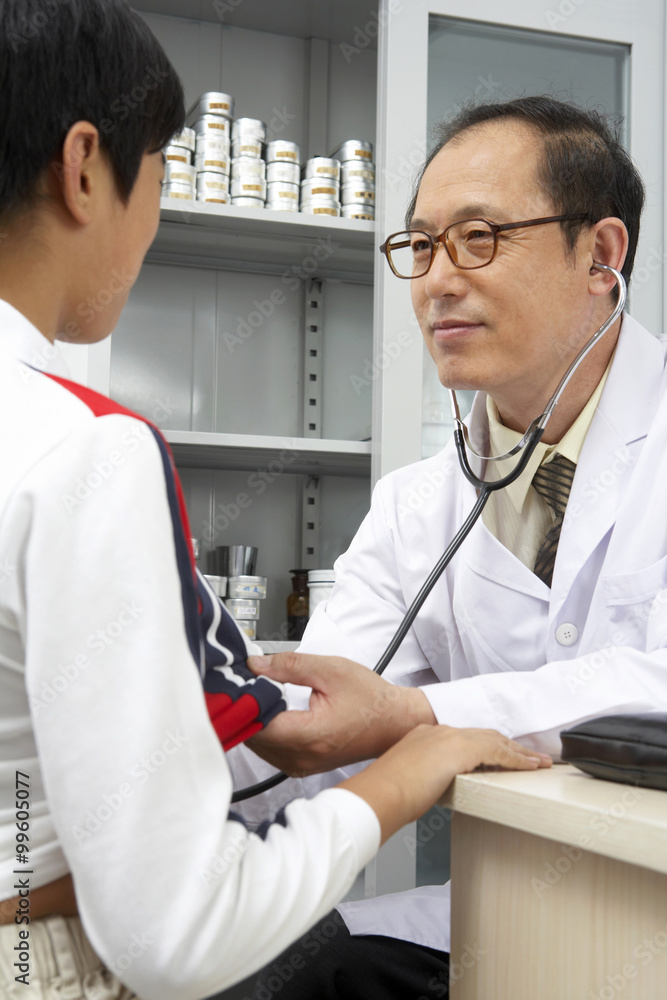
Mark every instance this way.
x=555 y=609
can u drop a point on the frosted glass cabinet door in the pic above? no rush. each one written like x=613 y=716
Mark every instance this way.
x=598 y=53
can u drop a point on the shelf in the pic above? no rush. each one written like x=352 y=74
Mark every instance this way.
x=301 y=456
x=257 y=239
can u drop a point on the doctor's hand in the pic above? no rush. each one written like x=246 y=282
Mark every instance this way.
x=353 y=714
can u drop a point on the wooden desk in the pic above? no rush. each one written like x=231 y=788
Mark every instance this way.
x=559 y=888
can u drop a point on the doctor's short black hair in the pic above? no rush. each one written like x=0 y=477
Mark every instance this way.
x=584 y=170
x=63 y=61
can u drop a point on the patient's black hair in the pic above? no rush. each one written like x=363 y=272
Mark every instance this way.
x=63 y=61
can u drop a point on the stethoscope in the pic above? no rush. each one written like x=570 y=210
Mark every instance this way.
x=528 y=444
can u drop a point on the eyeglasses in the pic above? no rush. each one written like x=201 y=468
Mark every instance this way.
x=469 y=244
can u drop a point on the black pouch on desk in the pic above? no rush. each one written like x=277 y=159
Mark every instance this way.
x=627 y=748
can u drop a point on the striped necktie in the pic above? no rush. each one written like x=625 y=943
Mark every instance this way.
x=553 y=482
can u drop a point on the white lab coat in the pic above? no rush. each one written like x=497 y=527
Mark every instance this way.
x=525 y=659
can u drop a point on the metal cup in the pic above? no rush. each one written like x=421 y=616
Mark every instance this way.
x=237 y=560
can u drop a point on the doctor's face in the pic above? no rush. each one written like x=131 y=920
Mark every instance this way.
x=512 y=327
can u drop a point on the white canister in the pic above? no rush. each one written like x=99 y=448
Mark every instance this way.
x=357 y=194
x=212 y=184
x=283 y=171
x=186 y=139
x=246 y=127
x=357 y=170
x=313 y=187
x=177 y=154
x=247 y=587
x=321 y=206
x=212 y=127
x=355 y=149
x=249 y=628
x=248 y=186
x=247 y=146
x=213 y=103
x=358 y=212
x=218 y=584
x=175 y=172
x=320 y=585
x=322 y=166
x=282 y=205
x=277 y=190
x=178 y=190
x=282 y=151
x=216 y=163
x=243 y=165
x=239 y=608
x=218 y=199
x=248 y=202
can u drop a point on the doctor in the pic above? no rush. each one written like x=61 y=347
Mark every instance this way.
x=555 y=609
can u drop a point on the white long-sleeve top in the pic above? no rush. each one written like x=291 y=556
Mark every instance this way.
x=110 y=650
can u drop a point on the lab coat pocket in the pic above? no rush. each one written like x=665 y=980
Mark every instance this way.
x=637 y=605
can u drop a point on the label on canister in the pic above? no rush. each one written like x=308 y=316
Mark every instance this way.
x=220 y=199
x=278 y=190
x=353 y=194
x=215 y=103
x=244 y=165
x=354 y=149
x=282 y=149
x=310 y=209
x=354 y=171
x=210 y=125
x=319 y=165
x=176 y=171
x=212 y=163
x=252 y=187
x=177 y=153
x=313 y=186
x=185 y=138
x=358 y=212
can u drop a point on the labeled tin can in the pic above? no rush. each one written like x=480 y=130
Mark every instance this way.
x=358 y=212
x=357 y=170
x=213 y=184
x=286 y=172
x=242 y=609
x=248 y=187
x=321 y=206
x=185 y=138
x=212 y=162
x=357 y=194
x=282 y=151
x=320 y=166
x=245 y=165
x=219 y=199
x=179 y=154
x=248 y=628
x=278 y=190
x=218 y=584
x=312 y=187
x=179 y=172
x=243 y=128
x=247 y=587
x=212 y=103
x=355 y=149
x=248 y=202
x=212 y=127
x=246 y=146
x=178 y=190
x=282 y=205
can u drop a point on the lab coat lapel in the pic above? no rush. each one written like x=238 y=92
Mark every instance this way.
x=610 y=452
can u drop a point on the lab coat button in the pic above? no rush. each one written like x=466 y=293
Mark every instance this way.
x=567 y=634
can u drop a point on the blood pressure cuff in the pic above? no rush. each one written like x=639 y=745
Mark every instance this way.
x=627 y=748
